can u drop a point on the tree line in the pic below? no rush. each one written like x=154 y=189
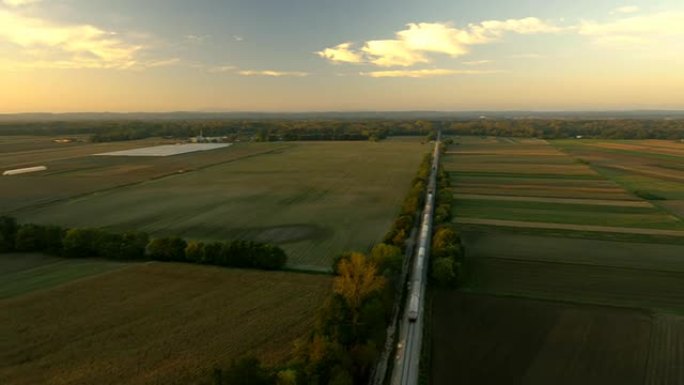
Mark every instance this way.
x=350 y=129
x=135 y=246
x=446 y=254
x=569 y=128
x=350 y=329
x=260 y=130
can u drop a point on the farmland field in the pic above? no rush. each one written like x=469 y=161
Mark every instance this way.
x=653 y=169
x=573 y=267
x=316 y=200
x=544 y=185
x=154 y=323
x=495 y=340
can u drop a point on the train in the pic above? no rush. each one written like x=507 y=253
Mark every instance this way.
x=419 y=272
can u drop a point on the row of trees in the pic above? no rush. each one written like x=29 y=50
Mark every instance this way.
x=350 y=129
x=570 y=128
x=134 y=245
x=446 y=250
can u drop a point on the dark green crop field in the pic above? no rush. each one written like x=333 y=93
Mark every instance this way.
x=315 y=199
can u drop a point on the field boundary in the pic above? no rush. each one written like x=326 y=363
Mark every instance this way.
x=559 y=226
x=591 y=202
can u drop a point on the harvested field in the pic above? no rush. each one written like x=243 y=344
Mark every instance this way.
x=154 y=324
x=666 y=358
x=596 y=202
x=481 y=339
x=45 y=151
x=315 y=199
x=676 y=207
x=84 y=174
x=519 y=168
x=651 y=168
x=589 y=228
x=24 y=273
x=558 y=192
x=506 y=245
x=543 y=188
x=566 y=214
x=580 y=283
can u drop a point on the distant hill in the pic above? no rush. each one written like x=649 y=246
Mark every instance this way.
x=351 y=115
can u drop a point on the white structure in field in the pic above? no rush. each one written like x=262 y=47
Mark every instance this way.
x=168 y=150
x=27 y=170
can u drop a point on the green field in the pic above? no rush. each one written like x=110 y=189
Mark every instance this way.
x=314 y=199
x=482 y=339
x=153 y=323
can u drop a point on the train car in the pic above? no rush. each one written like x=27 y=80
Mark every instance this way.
x=414 y=304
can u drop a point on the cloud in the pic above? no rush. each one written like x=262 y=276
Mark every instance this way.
x=411 y=45
x=222 y=69
x=626 y=9
x=423 y=73
x=161 y=63
x=341 y=53
x=19 y=3
x=197 y=39
x=390 y=53
x=644 y=31
x=45 y=44
x=272 y=73
x=527 y=56
x=238 y=38
x=476 y=62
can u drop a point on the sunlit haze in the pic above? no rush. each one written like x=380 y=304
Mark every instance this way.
x=321 y=55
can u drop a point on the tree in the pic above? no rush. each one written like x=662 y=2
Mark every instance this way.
x=8 y=233
x=194 y=251
x=212 y=253
x=248 y=371
x=287 y=377
x=268 y=257
x=80 y=243
x=30 y=237
x=399 y=238
x=444 y=272
x=108 y=245
x=133 y=245
x=52 y=240
x=167 y=249
x=446 y=242
x=356 y=281
x=387 y=257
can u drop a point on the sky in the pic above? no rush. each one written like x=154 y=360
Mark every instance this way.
x=340 y=55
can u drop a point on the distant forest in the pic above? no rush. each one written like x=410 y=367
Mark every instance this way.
x=344 y=129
